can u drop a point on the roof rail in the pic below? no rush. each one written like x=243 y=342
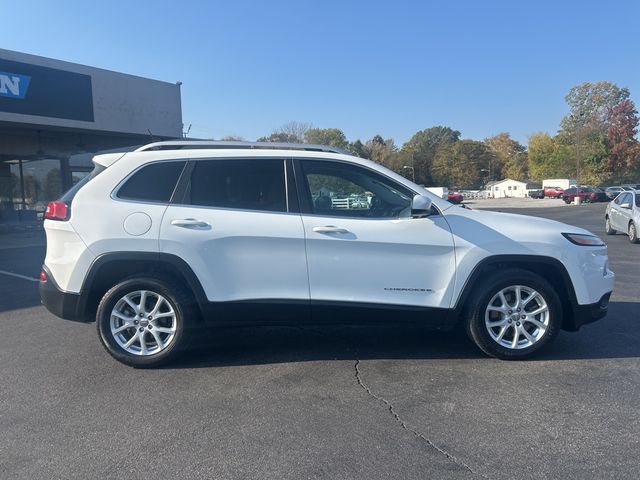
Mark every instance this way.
x=208 y=144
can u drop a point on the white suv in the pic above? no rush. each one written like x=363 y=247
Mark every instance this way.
x=174 y=235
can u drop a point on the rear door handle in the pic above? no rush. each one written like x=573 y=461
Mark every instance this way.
x=189 y=223
x=330 y=229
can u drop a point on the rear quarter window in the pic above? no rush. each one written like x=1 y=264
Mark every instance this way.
x=152 y=183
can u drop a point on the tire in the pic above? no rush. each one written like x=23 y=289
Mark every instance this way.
x=607 y=227
x=176 y=315
x=633 y=233
x=498 y=340
x=566 y=200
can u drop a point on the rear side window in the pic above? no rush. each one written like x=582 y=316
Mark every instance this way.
x=239 y=183
x=152 y=183
x=67 y=197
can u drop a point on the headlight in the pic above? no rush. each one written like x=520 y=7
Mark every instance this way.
x=583 y=240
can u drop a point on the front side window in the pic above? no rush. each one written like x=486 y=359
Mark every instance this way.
x=622 y=198
x=256 y=184
x=341 y=189
x=152 y=183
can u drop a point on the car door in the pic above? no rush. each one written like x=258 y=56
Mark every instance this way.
x=625 y=214
x=363 y=246
x=235 y=227
x=617 y=217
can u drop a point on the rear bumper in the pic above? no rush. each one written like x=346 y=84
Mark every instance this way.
x=584 y=314
x=62 y=304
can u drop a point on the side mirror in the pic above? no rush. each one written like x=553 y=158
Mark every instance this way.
x=420 y=206
x=625 y=205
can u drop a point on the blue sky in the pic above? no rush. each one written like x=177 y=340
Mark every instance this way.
x=366 y=67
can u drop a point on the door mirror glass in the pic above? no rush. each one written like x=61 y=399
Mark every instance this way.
x=625 y=205
x=420 y=206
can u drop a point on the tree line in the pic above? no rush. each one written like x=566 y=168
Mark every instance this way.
x=596 y=144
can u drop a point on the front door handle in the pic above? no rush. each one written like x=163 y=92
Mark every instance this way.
x=189 y=223
x=330 y=229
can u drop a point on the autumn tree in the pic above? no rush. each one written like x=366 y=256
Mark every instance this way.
x=624 y=150
x=590 y=106
x=509 y=158
x=422 y=149
x=333 y=137
x=460 y=164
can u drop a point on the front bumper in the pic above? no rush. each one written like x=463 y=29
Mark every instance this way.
x=62 y=304
x=584 y=314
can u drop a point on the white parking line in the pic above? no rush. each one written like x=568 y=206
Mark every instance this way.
x=17 y=275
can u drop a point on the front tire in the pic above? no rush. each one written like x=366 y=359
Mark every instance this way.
x=143 y=322
x=607 y=227
x=513 y=314
x=633 y=233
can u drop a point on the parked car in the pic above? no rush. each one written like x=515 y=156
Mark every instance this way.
x=553 y=192
x=455 y=197
x=632 y=186
x=586 y=194
x=157 y=243
x=613 y=192
x=536 y=193
x=623 y=215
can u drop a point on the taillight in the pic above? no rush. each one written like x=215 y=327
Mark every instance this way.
x=43 y=276
x=57 y=210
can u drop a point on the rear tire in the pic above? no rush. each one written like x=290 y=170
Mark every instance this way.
x=633 y=233
x=607 y=227
x=511 y=328
x=145 y=322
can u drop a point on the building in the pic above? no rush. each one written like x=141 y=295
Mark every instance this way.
x=52 y=111
x=509 y=188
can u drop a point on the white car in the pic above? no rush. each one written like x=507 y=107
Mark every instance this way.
x=623 y=215
x=161 y=241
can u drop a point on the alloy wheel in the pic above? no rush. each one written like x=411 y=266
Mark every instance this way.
x=517 y=317
x=143 y=322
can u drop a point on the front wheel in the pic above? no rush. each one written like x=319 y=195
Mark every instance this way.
x=607 y=227
x=566 y=200
x=633 y=233
x=513 y=314
x=142 y=322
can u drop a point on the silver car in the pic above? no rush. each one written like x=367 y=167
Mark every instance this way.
x=623 y=215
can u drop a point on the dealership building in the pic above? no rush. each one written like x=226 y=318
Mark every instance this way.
x=54 y=115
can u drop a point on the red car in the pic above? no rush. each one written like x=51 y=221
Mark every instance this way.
x=587 y=195
x=554 y=192
x=455 y=198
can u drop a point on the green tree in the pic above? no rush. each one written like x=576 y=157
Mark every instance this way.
x=292 y=132
x=549 y=158
x=278 y=137
x=460 y=164
x=590 y=105
x=510 y=158
x=422 y=148
x=333 y=137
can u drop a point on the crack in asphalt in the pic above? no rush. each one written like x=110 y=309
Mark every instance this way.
x=391 y=408
x=406 y=427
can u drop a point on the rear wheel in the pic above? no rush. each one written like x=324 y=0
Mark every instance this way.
x=566 y=200
x=633 y=233
x=513 y=314
x=142 y=322
x=607 y=227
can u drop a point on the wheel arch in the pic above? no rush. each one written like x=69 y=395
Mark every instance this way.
x=110 y=268
x=549 y=268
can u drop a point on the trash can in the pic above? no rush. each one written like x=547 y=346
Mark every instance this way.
x=577 y=200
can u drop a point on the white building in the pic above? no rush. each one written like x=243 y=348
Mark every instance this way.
x=507 y=188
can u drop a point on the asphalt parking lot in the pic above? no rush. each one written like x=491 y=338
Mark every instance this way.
x=334 y=403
